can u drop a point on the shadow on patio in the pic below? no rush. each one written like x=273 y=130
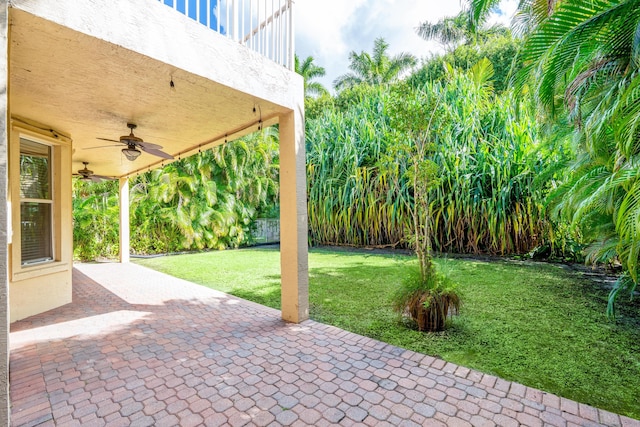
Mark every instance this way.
x=137 y=347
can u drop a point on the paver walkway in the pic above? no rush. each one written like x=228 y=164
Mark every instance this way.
x=140 y=348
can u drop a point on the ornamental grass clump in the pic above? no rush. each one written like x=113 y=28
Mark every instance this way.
x=429 y=302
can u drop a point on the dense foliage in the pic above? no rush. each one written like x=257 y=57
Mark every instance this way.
x=95 y=219
x=486 y=150
x=501 y=49
x=350 y=200
x=486 y=200
x=208 y=200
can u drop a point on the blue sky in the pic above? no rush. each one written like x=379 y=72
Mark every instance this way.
x=330 y=29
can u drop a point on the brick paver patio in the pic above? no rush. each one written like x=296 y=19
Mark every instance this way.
x=140 y=348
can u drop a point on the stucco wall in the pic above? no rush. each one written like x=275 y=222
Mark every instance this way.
x=37 y=295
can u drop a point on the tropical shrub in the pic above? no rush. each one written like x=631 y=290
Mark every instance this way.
x=206 y=201
x=581 y=61
x=95 y=219
x=487 y=201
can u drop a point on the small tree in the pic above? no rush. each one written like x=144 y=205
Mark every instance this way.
x=418 y=119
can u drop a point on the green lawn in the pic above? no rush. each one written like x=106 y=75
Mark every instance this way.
x=537 y=324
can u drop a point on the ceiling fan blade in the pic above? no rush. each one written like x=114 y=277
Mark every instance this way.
x=110 y=140
x=149 y=145
x=156 y=152
x=101 y=146
x=93 y=178
x=98 y=178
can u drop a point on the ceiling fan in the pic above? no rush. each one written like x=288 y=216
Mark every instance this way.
x=135 y=144
x=88 y=175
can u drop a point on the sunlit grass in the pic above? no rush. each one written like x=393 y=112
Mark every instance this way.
x=537 y=324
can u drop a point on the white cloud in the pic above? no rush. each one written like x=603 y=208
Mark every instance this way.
x=328 y=30
x=504 y=13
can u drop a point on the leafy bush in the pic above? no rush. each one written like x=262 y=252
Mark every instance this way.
x=95 y=220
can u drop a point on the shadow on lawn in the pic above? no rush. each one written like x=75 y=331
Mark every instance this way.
x=268 y=293
x=335 y=289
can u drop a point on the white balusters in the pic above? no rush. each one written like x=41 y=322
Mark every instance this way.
x=265 y=26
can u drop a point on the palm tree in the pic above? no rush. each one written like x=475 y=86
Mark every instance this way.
x=530 y=14
x=376 y=69
x=95 y=219
x=449 y=32
x=581 y=59
x=452 y=32
x=207 y=200
x=310 y=71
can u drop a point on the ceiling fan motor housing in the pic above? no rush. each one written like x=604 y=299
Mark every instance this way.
x=136 y=145
x=85 y=172
x=130 y=139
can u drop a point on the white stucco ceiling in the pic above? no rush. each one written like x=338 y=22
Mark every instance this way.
x=87 y=87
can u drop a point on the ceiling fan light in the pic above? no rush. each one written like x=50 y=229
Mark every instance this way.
x=131 y=153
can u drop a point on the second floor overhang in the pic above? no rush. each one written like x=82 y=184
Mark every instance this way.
x=88 y=68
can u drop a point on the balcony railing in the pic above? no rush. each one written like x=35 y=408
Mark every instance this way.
x=265 y=26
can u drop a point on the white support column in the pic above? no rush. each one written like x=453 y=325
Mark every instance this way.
x=4 y=178
x=124 y=220
x=294 y=265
